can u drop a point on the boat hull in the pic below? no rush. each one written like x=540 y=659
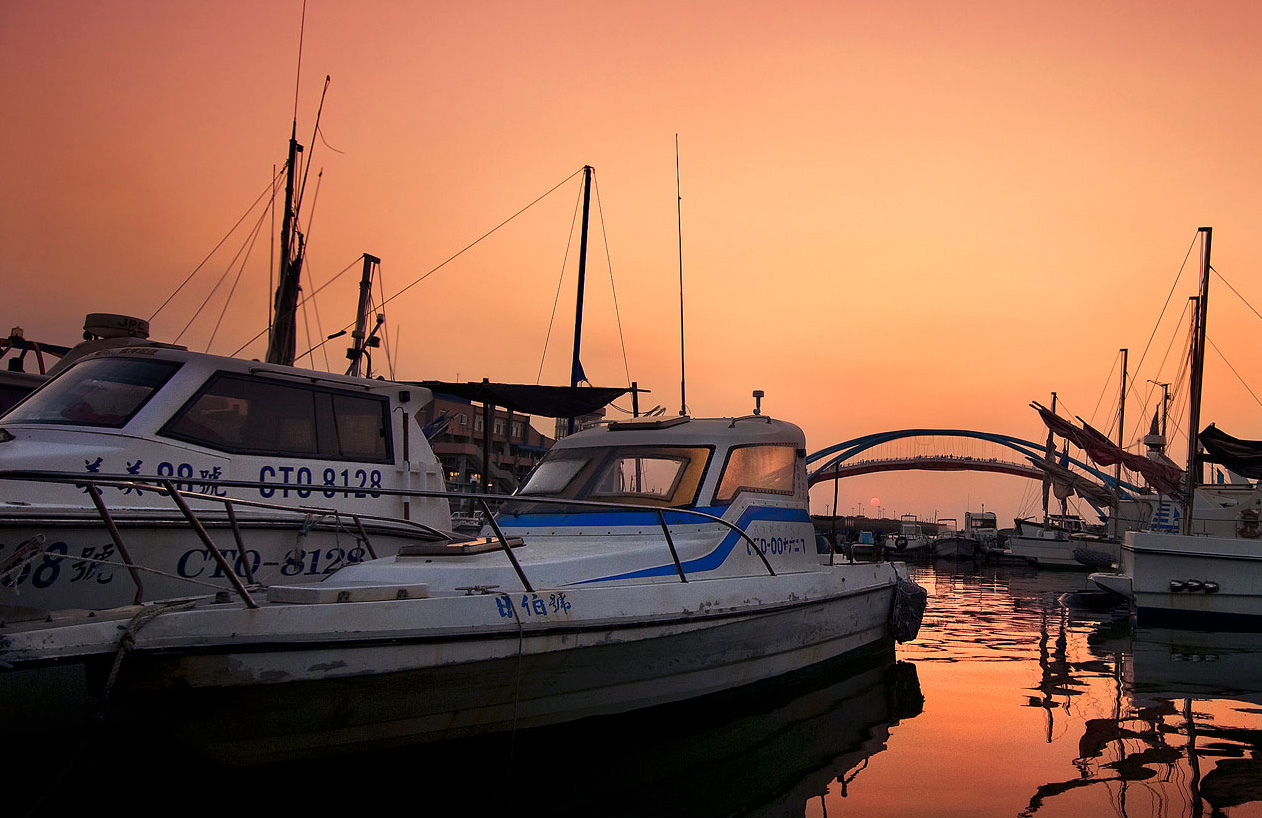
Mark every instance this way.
x=1046 y=552
x=246 y=700
x=954 y=548
x=280 y=548
x=1182 y=579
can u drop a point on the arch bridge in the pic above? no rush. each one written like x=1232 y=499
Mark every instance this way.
x=939 y=450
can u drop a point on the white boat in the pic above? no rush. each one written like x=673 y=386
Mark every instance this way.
x=292 y=473
x=1208 y=569
x=153 y=414
x=952 y=544
x=911 y=539
x=1064 y=541
x=644 y=562
x=1212 y=576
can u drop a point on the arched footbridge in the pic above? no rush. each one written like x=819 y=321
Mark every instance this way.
x=939 y=450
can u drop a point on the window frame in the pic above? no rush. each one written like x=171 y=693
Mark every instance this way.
x=727 y=462
x=171 y=367
x=325 y=430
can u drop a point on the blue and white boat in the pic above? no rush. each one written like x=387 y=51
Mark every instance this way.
x=643 y=563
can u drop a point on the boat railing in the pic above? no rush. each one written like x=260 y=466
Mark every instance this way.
x=181 y=491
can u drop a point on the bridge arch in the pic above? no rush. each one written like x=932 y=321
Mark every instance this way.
x=827 y=463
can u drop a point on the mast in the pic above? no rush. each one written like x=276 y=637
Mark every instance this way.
x=1121 y=416
x=280 y=346
x=679 y=217
x=1197 y=381
x=576 y=367
x=360 y=337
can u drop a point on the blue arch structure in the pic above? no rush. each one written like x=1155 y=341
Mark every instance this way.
x=839 y=453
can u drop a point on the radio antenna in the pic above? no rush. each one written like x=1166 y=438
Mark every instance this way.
x=679 y=213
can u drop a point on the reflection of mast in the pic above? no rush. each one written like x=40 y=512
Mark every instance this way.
x=1049 y=456
x=1194 y=760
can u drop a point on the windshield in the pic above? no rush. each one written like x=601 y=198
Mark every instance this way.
x=96 y=392
x=666 y=476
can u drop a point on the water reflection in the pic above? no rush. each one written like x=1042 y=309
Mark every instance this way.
x=1033 y=708
x=1186 y=732
x=763 y=753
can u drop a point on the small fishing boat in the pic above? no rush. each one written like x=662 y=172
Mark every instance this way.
x=952 y=544
x=911 y=541
x=1063 y=541
x=644 y=562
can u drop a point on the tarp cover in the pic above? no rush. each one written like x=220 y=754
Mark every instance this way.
x=531 y=399
x=1244 y=457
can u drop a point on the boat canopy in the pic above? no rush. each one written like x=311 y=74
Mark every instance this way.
x=1244 y=457
x=531 y=399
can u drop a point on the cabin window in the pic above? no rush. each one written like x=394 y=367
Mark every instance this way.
x=636 y=476
x=766 y=469
x=666 y=476
x=552 y=476
x=104 y=392
x=236 y=413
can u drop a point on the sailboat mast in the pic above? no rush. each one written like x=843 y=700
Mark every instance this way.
x=359 y=337
x=1121 y=416
x=1197 y=381
x=576 y=367
x=280 y=347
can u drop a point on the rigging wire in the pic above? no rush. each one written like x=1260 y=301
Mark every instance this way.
x=1237 y=292
x=565 y=260
x=242 y=251
x=325 y=142
x=1174 y=284
x=313 y=294
x=481 y=238
x=306 y=172
x=609 y=263
x=271 y=190
x=385 y=333
x=236 y=281
x=1233 y=371
x=1140 y=421
x=1107 y=382
x=302 y=27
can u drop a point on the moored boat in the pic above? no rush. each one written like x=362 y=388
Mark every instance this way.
x=1205 y=568
x=643 y=563
x=292 y=472
x=1064 y=541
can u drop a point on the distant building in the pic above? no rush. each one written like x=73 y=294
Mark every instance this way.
x=454 y=427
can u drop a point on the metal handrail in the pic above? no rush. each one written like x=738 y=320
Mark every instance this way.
x=169 y=486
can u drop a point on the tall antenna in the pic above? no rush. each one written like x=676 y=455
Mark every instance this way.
x=679 y=212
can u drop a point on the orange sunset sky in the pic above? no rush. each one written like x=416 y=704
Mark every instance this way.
x=896 y=214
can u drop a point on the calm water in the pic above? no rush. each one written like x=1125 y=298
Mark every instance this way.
x=1008 y=704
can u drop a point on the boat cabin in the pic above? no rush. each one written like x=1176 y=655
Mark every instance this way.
x=707 y=465
x=162 y=411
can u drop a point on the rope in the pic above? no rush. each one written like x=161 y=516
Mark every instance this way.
x=560 y=280
x=521 y=648
x=1237 y=292
x=128 y=641
x=481 y=238
x=1233 y=371
x=268 y=193
x=609 y=264
x=236 y=281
